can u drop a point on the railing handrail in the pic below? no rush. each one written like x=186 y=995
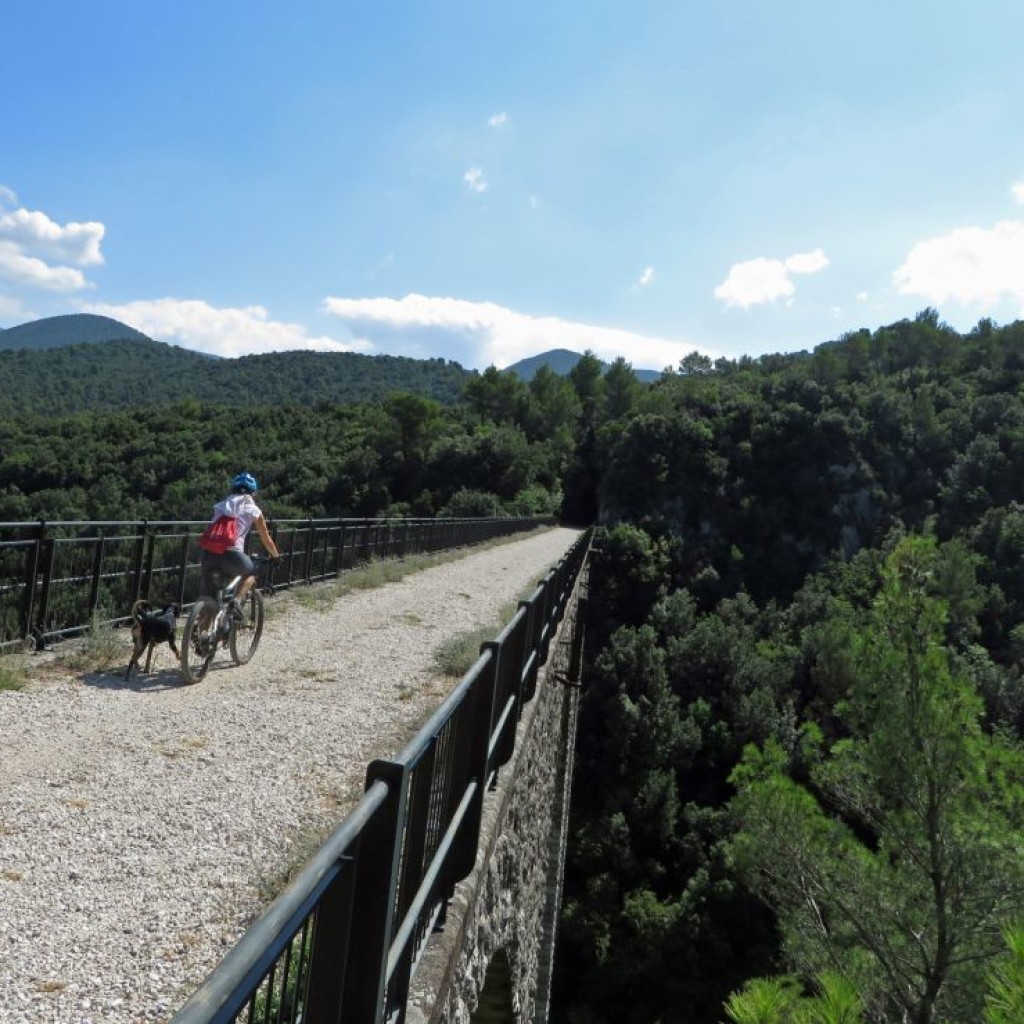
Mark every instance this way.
x=55 y=577
x=34 y=524
x=381 y=971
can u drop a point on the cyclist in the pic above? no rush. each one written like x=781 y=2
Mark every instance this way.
x=241 y=506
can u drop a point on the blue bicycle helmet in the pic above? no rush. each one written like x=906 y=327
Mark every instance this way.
x=244 y=482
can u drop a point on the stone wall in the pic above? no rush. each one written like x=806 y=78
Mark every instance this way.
x=510 y=901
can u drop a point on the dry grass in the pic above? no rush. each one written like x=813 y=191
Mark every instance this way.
x=13 y=671
x=455 y=656
x=100 y=648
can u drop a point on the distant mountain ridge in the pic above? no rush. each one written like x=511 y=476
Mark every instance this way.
x=68 y=365
x=561 y=361
x=70 y=329
x=80 y=362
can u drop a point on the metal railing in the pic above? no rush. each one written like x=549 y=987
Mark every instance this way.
x=57 y=579
x=341 y=941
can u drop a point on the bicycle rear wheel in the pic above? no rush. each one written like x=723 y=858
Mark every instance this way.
x=199 y=642
x=245 y=635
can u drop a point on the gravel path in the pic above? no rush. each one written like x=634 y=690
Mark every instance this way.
x=142 y=825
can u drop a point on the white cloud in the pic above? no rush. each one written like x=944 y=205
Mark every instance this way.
x=228 y=332
x=1018 y=191
x=764 y=280
x=807 y=262
x=754 y=282
x=481 y=334
x=37 y=252
x=498 y=120
x=646 y=277
x=862 y=296
x=474 y=179
x=973 y=266
x=35 y=233
x=30 y=272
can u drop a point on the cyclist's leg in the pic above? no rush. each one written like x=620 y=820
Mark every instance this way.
x=236 y=563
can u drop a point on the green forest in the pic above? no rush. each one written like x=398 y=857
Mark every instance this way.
x=799 y=788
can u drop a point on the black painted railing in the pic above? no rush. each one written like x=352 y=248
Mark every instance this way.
x=340 y=943
x=58 y=579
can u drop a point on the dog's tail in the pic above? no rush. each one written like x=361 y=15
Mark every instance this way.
x=139 y=608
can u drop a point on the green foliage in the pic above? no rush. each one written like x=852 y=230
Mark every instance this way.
x=1004 y=1000
x=780 y=1001
x=817 y=557
x=408 y=454
x=13 y=672
x=903 y=860
x=134 y=373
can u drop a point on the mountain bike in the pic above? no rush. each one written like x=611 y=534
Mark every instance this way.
x=211 y=625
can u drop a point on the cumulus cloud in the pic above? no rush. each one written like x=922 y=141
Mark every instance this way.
x=225 y=331
x=474 y=179
x=646 y=277
x=761 y=280
x=71 y=243
x=31 y=272
x=1018 y=191
x=498 y=120
x=973 y=266
x=37 y=252
x=480 y=334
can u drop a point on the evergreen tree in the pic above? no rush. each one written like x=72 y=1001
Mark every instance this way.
x=899 y=859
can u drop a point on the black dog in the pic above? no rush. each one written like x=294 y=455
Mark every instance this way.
x=150 y=628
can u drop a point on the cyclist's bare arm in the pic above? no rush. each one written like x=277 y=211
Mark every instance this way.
x=268 y=541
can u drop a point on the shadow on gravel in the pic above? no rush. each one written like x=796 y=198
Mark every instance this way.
x=140 y=682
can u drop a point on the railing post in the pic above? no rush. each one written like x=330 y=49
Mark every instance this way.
x=339 y=554
x=32 y=558
x=97 y=569
x=140 y=549
x=471 y=764
x=307 y=571
x=377 y=865
x=291 y=557
x=332 y=937
x=49 y=553
x=147 y=579
x=412 y=870
x=182 y=570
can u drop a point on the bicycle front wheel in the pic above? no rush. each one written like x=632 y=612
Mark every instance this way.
x=199 y=642
x=245 y=635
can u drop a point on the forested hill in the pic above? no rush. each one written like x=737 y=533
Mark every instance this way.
x=71 y=329
x=800 y=757
x=134 y=373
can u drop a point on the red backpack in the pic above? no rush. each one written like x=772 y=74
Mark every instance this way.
x=219 y=535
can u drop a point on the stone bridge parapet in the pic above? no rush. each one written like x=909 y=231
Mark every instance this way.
x=499 y=937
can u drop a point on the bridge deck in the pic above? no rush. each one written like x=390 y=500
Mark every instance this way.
x=142 y=825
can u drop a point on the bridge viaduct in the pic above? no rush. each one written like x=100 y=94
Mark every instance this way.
x=497 y=947
x=437 y=899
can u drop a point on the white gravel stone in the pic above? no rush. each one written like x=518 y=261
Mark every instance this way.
x=141 y=823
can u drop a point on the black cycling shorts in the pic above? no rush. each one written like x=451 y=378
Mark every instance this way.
x=230 y=564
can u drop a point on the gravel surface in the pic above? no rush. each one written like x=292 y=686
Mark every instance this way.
x=144 y=824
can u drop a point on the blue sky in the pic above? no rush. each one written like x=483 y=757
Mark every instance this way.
x=482 y=182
